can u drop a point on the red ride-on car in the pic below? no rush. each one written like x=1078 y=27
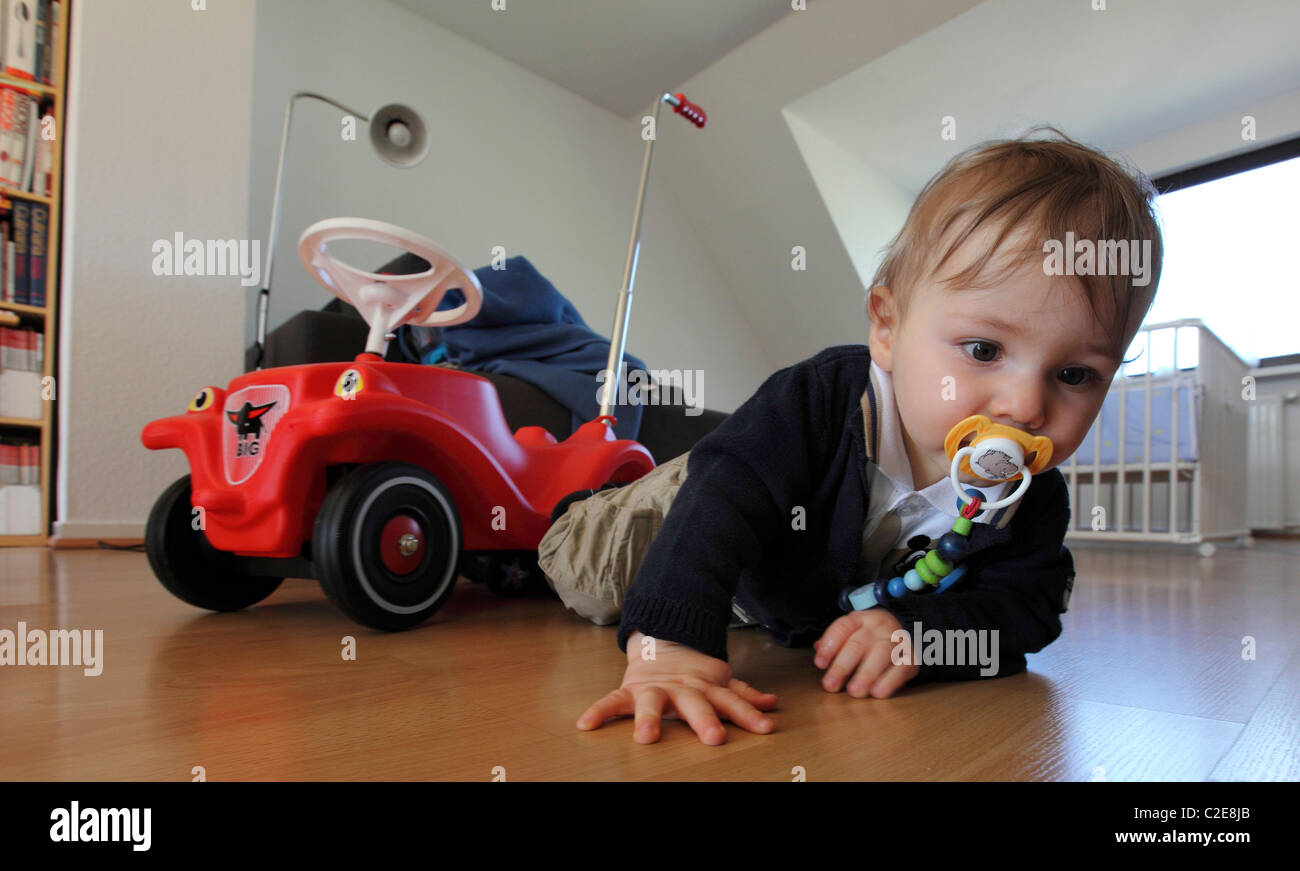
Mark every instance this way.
x=372 y=477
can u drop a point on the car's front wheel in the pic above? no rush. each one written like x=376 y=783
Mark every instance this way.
x=386 y=544
x=189 y=567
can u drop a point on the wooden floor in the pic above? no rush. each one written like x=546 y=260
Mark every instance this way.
x=1147 y=683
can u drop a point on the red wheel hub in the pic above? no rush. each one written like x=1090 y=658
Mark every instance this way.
x=401 y=545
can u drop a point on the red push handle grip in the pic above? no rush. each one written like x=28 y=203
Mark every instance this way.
x=690 y=111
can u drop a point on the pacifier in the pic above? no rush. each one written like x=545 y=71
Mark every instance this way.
x=994 y=452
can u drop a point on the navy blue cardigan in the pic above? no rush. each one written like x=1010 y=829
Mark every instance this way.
x=801 y=441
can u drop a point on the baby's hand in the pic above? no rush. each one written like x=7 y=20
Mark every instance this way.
x=859 y=644
x=696 y=686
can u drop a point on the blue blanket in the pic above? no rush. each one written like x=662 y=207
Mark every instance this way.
x=529 y=330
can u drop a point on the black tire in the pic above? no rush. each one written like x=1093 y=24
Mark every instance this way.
x=188 y=565
x=352 y=535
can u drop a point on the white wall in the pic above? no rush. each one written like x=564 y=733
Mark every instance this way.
x=156 y=143
x=746 y=185
x=868 y=207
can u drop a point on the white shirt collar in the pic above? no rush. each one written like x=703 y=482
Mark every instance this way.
x=892 y=460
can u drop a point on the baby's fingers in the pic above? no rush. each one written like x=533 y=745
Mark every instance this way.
x=760 y=700
x=846 y=662
x=835 y=635
x=875 y=664
x=616 y=704
x=738 y=711
x=650 y=703
x=893 y=678
x=697 y=710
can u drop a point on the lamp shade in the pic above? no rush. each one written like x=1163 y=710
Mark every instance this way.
x=398 y=135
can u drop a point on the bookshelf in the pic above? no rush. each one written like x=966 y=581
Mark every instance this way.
x=43 y=319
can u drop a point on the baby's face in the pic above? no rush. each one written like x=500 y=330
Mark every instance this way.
x=1027 y=352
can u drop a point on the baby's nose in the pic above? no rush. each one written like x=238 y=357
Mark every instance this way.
x=1020 y=406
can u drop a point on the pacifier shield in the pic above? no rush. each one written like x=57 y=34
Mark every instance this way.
x=998 y=451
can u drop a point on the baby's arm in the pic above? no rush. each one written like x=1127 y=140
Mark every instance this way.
x=730 y=515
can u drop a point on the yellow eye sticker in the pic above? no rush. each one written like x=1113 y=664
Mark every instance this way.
x=349 y=384
x=202 y=400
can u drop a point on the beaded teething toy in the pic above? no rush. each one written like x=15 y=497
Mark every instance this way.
x=988 y=451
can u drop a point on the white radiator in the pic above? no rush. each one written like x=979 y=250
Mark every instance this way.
x=1266 y=472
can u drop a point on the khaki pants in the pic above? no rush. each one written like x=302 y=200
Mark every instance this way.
x=591 y=554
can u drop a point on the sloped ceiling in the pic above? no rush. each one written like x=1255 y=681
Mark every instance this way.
x=616 y=53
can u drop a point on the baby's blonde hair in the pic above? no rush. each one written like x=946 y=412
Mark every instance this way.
x=1045 y=187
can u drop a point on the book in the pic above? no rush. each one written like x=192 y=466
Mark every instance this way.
x=43 y=162
x=52 y=41
x=42 y=30
x=22 y=238
x=33 y=128
x=8 y=463
x=8 y=110
x=20 y=491
x=40 y=221
x=6 y=291
x=20 y=40
x=20 y=128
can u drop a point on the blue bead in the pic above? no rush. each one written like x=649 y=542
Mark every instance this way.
x=913 y=580
x=953 y=547
x=897 y=587
x=859 y=599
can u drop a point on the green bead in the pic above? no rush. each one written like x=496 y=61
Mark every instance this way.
x=962 y=526
x=936 y=563
x=926 y=574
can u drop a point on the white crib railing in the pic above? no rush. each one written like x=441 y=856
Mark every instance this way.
x=1205 y=471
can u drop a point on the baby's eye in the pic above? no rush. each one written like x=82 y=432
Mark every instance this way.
x=1077 y=376
x=984 y=352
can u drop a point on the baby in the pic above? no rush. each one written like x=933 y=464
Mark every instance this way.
x=836 y=467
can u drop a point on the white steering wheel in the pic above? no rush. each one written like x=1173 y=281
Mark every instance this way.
x=388 y=301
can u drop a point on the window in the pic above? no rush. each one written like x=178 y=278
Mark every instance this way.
x=1231 y=229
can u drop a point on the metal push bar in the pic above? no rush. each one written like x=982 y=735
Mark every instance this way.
x=614 y=366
